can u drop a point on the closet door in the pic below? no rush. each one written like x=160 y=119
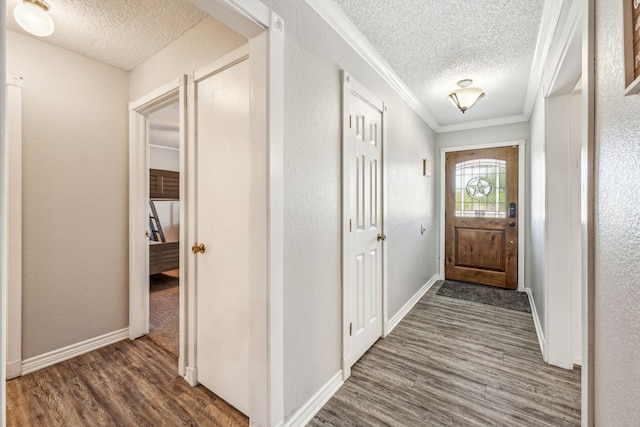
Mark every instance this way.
x=223 y=172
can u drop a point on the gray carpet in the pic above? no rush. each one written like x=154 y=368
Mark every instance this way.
x=505 y=298
x=163 y=310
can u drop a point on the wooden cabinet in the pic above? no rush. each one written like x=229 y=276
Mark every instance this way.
x=164 y=184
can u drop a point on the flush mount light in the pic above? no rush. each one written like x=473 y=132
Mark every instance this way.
x=33 y=17
x=465 y=97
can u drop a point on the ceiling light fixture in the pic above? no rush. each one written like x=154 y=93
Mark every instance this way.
x=465 y=97
x=33 y=17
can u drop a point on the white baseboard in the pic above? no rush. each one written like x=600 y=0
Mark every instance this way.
x=14 y=369
x=191 y=375
x=309 y=409
x=182 y=367
x=538 y=325
x=56 y=356
x=409 y=305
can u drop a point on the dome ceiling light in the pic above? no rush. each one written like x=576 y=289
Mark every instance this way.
x=32 y=16
x=465 y=97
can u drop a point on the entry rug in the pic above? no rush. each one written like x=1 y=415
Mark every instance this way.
x=505 y=298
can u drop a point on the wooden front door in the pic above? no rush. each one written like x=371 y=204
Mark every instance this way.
x=481 y=217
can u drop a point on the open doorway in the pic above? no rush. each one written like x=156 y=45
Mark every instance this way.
x=164 y=227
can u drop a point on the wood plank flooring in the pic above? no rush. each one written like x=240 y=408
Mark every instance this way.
x=130 y=383
x=456 y=363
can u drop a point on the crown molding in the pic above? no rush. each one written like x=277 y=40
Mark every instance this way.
x=484 y=123
x=331 y=13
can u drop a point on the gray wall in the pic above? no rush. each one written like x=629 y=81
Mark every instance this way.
x=314 y=56
x=75 y=195
x=617 y=239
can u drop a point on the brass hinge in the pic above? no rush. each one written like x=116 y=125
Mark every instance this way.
x=350 y=229
x=350 y=328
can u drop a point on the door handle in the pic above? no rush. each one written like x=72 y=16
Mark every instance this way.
x=197 y=248
x=512 y=224
x=382 y=237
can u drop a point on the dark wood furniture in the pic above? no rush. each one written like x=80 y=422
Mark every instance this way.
x=163 y=185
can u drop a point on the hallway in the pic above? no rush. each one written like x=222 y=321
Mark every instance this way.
x=456 y=363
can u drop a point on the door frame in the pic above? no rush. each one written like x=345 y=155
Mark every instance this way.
x=139 y=207
x=522 y=224
x=12 y=223
x=350 y=85
x=264 y=30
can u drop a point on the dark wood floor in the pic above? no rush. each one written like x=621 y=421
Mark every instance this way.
x=456 y=363
x=130 y=383
x=448 y=363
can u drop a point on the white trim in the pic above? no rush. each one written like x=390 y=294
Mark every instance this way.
x=536 y=322
x=60 y=355
x=247 y=17
x=522 y=200
x=12 y=272
x=3 y=205
x=272 y=56
x=317 y=401
x=226 y=61
x=385 y=257
x=138 y=202
x=333 y=15
x=484 y=123
x=14 y=369
x=548 y=25
x=191 y=376
x=410 y=304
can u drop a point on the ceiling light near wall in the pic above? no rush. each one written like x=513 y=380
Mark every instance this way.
x=33 y=17
x=465 y=97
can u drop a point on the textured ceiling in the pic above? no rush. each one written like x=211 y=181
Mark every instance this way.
x=432 y=44
x=122 y=33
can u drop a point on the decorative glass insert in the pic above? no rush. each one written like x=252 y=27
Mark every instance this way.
x=481 y=188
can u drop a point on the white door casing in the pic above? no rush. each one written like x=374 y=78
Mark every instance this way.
x=222 y=223
x=13 y=225
x=139 y=111
x=363 y=239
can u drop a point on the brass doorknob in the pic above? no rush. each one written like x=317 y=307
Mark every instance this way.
x=382 y=237
x=197 y=248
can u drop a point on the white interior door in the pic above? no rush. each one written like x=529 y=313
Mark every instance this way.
x=365 y=236
x=222 y=225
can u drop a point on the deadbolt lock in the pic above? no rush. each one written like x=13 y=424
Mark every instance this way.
x=197 y=248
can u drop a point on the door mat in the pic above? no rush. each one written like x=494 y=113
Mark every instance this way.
x=505 y=298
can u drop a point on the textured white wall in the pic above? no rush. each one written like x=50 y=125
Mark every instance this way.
x=205 y=42
x=314 y=56
x=75 y=190
x=617 y=239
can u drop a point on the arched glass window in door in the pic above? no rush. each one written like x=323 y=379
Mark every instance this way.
x=481 y=188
